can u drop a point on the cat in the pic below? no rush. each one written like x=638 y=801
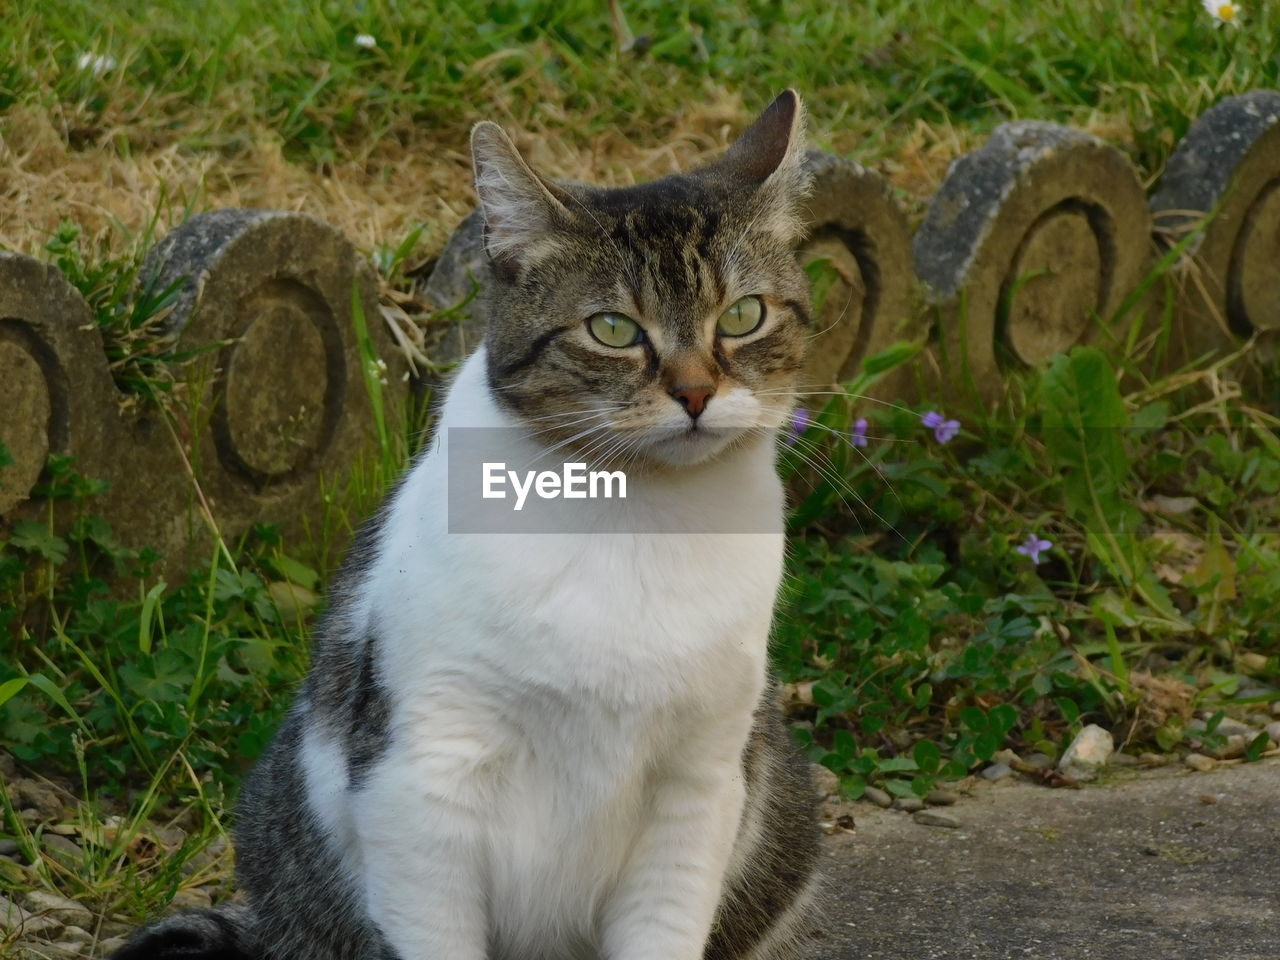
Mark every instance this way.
x=516 y=746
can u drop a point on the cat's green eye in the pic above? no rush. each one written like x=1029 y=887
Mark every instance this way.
x=615 y=330
x=742 y=318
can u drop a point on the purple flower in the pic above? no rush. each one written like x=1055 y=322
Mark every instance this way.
x=943 y=430
x=858 y=436
x=1033 y=547
x=799 y=424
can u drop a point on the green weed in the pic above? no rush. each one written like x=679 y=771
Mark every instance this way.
x=921 y=633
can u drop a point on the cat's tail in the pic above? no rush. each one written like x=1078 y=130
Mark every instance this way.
x=226 y=933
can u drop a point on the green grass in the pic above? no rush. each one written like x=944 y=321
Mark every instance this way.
x=914 y=639
x=209 y=75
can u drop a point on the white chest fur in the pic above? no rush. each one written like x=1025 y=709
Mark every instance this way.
x=540 y=682
x=632 y=615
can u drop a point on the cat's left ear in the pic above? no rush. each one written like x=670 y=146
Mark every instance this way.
x=770 y=156
x=522 y=211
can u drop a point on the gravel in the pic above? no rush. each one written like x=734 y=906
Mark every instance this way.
x=933 y=818
x=1088 y=753
x=880 y=798
x=1199 y=762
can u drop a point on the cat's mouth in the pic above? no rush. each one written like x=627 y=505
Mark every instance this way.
x=689 y=444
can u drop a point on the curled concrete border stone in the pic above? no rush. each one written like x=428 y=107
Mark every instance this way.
x=264 y=312
x=271 y=381
x=59 y=398
x=460 y=272
x=1029 y=238
x=56 y=393
x=1229 y=165
x=854 y=221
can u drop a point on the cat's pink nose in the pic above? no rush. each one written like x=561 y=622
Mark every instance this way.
x=693 y=399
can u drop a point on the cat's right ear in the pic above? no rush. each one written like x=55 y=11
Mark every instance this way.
x=522 y=211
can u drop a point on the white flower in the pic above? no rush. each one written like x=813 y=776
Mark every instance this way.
x=366 y=41
x=96 y=64
x=1223 y=12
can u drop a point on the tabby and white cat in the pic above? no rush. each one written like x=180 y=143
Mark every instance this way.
x=534 y=747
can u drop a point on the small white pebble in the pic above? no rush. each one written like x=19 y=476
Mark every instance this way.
x=366 y=41
x=96 y=64
x=1199 y=762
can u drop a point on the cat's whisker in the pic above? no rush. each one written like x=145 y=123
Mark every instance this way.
x=847 y=439
x=828 y=473
x=609 y=448
x=548 y=451
x=834 y=323
x=802 y=394
x=630 y=441
x=554 y=419
x=567 y=442
x=842 y=435
x=832 y=476
x=602 y=406
x=631 y=453
x=594 y=424
x=567 y=426
x=587 y=450
x=861 y=453
x=841 y=488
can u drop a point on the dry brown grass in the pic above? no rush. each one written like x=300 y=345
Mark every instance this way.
x=375 y=198
x=119 y=178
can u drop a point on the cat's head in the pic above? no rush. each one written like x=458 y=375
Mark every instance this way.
x=658 y=323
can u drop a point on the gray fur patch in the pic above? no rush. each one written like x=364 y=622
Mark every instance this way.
x=308 y=906
x=764 y=904
x=368 y=730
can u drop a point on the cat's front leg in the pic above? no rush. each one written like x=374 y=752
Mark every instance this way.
x=420 y=846
x=666 y=903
